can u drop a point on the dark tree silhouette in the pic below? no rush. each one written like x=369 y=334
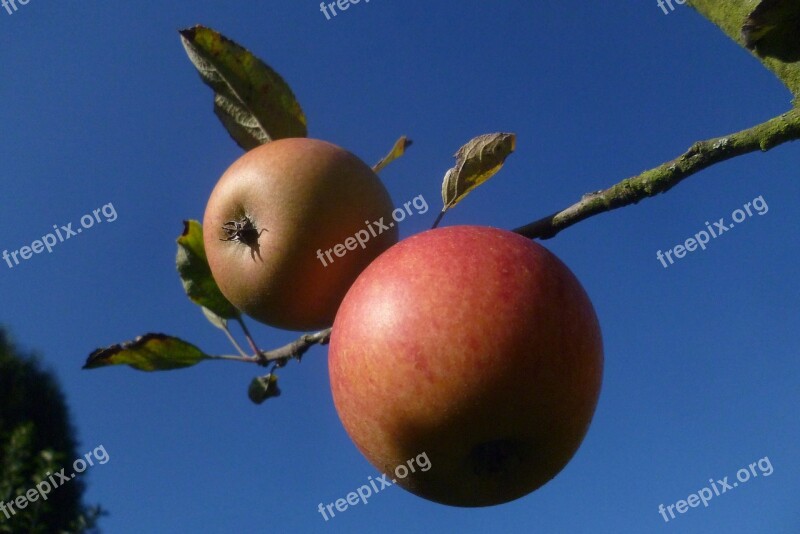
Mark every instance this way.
x=37 y=438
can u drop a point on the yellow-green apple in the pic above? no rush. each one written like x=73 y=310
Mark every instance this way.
x=476 y=347
x=286 y=230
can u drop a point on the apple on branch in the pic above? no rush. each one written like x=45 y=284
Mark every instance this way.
x=269 y=213
x=475 y=346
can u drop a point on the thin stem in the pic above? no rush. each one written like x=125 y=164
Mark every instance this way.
x=233 y=341
x=234 y=358
x=700 y=155
x=439 y=218
x=249 y=337
x=280 y=356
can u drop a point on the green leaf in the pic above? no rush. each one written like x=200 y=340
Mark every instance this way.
x=196 y=275
x=253 y=102
x=476 y=162
x=768 y=27
x=263 y=387
x=397 y=151
x=150 y=352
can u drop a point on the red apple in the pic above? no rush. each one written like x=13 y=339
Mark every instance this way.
x=475 y=347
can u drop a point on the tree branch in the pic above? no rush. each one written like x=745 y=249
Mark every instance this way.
x=295 y=349
x=700 y=155
x=281 y=356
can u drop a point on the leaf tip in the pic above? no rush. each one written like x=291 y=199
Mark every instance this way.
x=186 y=227
x=189 y=33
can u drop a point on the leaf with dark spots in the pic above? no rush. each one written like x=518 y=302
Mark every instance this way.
x=150 y=352
x=251 y=100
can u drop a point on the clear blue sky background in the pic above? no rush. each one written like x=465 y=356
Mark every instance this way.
x=99 y=104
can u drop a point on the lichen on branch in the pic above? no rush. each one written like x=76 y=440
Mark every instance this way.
x=660 y=179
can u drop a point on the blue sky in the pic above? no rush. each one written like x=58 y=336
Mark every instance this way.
x=99 y=104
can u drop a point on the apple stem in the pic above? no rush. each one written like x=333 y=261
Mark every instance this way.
x=233 y=341
x=250 y=339
x=702 y=154
x=439 y=218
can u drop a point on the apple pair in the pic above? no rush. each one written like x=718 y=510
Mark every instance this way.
x=472 y=345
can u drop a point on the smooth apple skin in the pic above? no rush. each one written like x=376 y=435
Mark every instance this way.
x=473 y=345
x=309 y=195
